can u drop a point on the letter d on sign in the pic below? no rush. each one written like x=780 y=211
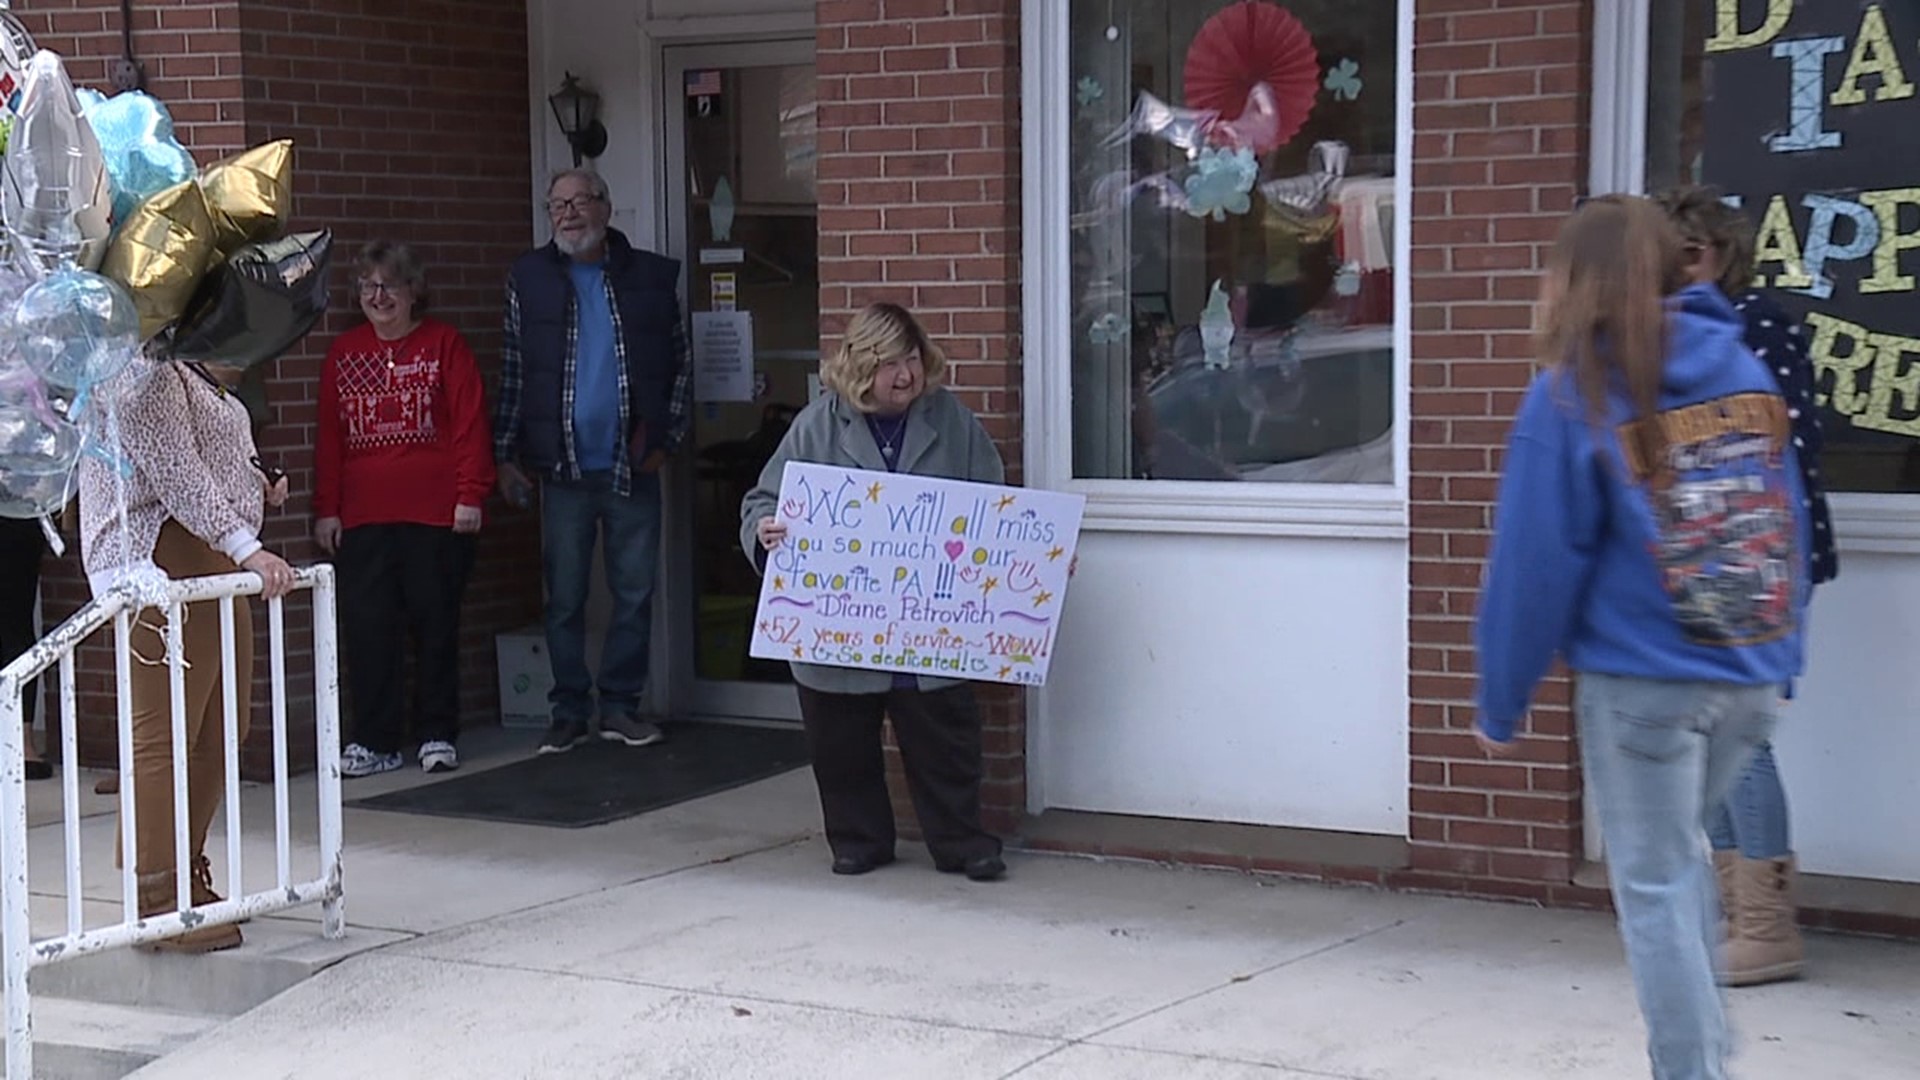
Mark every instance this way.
x=1726 y=25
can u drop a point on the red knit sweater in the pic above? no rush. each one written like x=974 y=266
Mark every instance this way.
x=403 y=431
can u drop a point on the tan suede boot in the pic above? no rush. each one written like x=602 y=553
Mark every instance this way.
x=1766 y=945
x=157 y=898
x=1724 y=867
x=202 y=885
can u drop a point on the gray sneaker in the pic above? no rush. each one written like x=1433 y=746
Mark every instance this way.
x=561 y=736
x=618 y=727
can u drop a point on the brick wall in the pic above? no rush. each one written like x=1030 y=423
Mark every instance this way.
x=410 y=122
x=1500 y=115
x=920 y=205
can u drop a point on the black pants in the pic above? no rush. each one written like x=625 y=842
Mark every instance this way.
x=939 y=738
x=395 y=579
x=21 y=545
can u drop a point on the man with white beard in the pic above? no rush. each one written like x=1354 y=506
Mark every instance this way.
x=595 y=396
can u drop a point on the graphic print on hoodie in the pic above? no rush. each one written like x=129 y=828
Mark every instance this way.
x=1724 y=524
x=1701 y=577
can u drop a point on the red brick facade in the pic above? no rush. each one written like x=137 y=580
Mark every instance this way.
x=404 y=128
x=1500 y=111
x=412 y=123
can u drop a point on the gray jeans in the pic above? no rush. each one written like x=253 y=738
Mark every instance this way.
x=1659 y=758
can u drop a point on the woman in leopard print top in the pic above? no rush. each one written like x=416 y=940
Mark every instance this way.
x=191 y=506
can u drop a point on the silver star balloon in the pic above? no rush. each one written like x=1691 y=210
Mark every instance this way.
x=54 y=191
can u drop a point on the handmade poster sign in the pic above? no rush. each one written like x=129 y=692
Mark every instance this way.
x=911 y=574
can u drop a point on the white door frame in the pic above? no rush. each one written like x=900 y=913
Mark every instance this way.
x=691 y=695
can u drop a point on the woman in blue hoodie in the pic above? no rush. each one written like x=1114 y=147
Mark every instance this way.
x=1651 y=533
x=1752 y=842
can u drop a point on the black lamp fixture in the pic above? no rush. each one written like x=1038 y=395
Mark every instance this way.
x=578 y=111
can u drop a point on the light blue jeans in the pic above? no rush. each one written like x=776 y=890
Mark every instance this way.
x=573 y=515
x=1659 y=758
x=1753 y=819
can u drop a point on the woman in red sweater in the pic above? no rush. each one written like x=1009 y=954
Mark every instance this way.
x=402 y=465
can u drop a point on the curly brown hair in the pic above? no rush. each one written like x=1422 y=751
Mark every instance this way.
x=1707 y=223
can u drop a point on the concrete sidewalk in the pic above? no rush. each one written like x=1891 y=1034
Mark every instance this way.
x=708 y=940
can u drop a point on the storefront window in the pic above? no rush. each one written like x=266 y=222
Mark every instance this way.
x=1232 y=171
x=1804 y=114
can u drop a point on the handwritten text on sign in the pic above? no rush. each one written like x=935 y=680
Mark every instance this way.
x=907 y=573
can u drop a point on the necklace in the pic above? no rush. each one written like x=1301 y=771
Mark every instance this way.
x=889 y=441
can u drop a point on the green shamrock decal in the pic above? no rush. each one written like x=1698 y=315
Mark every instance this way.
x=1344 y=80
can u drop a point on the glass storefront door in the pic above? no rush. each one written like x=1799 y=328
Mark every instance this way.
x=742 y=217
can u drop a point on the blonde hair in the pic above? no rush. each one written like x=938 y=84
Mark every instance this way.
x=879 y=333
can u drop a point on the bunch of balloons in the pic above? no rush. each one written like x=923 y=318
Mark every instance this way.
x=120 y=253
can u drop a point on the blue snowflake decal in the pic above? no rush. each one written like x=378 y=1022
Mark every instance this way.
x=1343 y=79
x=1220 y=182
x=1108 y=329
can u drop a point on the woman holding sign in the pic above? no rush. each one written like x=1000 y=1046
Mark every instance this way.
x=887 y=412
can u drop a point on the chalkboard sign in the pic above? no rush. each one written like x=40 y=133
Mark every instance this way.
x=1811 y=120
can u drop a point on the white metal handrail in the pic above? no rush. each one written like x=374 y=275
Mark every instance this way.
x=56 y=650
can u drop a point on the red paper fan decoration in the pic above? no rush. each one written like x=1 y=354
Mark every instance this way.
x=1250 y=43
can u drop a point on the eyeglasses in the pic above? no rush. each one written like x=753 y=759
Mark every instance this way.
x=578 y=204
x=374 y=288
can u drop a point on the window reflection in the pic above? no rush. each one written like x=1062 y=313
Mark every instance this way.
x=1233 y=194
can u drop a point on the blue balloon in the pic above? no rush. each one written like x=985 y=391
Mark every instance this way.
x=76 y=329
x=136 y=139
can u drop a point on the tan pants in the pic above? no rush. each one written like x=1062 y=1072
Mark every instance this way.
x=182 y=555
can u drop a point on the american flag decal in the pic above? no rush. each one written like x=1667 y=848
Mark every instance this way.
x=703 y=83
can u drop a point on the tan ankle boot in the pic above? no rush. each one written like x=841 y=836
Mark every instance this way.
x=202 y=885
x=1766 y=945
x=157 y=898
x=1725 y=864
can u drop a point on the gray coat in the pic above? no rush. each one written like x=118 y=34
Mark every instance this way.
x=943 y=439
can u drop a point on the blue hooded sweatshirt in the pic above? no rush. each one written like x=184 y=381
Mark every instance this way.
x=1704 y=580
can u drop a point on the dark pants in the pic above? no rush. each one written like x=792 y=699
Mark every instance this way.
x=574 y=514
x=395 y=579
x=939 y=737
x=21 y=544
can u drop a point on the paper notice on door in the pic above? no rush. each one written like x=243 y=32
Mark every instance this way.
x=723 y=356
x=726 y=292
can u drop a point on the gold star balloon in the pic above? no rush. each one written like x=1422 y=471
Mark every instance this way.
x=161 y=252
x=250 y=195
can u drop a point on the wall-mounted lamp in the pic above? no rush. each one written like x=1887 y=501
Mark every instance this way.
x=578 y=111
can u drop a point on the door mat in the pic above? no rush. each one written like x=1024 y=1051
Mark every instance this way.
x=597 y=782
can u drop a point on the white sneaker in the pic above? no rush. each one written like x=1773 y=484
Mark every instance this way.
x=438 y=756
x=357 y=761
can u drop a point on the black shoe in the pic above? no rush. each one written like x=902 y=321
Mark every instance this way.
x=562 y=735
x=39 y=769
x=853 y=864
x=978 y=868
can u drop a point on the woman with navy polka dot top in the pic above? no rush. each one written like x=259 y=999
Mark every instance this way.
x=1752 y=849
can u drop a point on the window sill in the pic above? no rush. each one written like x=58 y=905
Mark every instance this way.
x=1878 y=524
x=1344 y=511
